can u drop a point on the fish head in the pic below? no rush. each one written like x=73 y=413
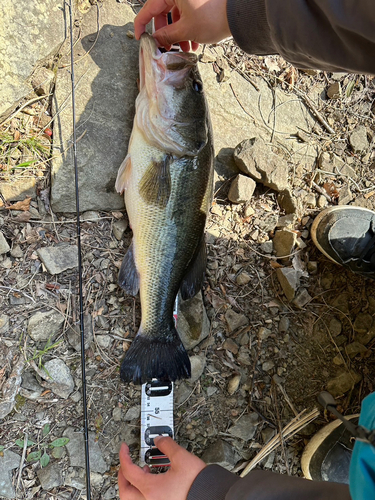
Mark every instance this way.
x=171 y=107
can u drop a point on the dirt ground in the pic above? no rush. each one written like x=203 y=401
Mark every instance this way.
x=273 y=364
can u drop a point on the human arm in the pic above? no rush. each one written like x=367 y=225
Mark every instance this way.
x=321 y=34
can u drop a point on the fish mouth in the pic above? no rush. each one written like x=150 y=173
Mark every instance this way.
x=148 y=52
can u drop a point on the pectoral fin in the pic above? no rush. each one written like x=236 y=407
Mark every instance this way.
x=155 y=185
x=128 y=277
x=193 y=279
x=123 y=175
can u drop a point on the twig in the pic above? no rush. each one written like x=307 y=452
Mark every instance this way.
x=321 y=191
x=315 y=111
x=35 y=99
x=22 y=460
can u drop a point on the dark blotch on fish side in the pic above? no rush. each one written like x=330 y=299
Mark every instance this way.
x=149 y=358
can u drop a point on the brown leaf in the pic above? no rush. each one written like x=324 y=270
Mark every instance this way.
x=25 y=217
x=21 y=205
x=16 y=135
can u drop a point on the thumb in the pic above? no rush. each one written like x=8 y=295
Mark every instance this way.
x=171 y=34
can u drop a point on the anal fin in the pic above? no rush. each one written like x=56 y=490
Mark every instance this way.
x=128 y=277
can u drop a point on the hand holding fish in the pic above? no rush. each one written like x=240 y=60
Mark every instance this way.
x=138 y=484
x=195 y=21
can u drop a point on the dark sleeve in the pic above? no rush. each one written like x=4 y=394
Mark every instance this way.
x=216 y=483
x=329 y=35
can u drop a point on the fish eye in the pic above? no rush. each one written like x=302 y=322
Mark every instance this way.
x=198 y=86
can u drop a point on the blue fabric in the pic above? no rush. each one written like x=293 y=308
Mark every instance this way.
x=362 y=466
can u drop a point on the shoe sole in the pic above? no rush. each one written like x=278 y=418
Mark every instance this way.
x=317 y=440
x=321 y=216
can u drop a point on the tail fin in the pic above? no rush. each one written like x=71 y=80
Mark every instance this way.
x=164 y=358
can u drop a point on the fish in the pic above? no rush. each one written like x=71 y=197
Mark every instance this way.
x=167 y=181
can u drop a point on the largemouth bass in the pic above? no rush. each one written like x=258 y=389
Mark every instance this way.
x=167 y=179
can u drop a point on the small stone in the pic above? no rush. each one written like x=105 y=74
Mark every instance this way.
x=289 y=281
x=286 y=220
x=284 y=324
x=4 y=247
x=133 y=413
x=117 y=414
x=345 y=195
x=231 y=346
x=62 y=382
x=249 y=211
x=241 y=189
x=198 y=364
x=104 y=341
x=334 y=91
x=244 y=356
x=30 y=383
x=8 y=462
x=16 y=252
x=312 y=266
x=335 y=327
x=74 y=334
x=42 y=80
x=90 y=216
x=45 y=325
x=264 y=333
x=322 y=201
x=267 y=366
x=355 y=348
x=243 y=278
x=343 y=383
x=235 y=320
x=338 y=361
x=221 y=453
x=233 y=384
x=119 y=228
x=341 y=302
x=50 y=476
x=76 y=452
x=4 y=324
x=363 y=323
x=310 y=200
x=182 y=393
x=284 y=242
x=193 y=323
x=245 y=427
x=302 y=298
x=211 y=391
x=266 y=247
x=358 y=139
x=59 y=259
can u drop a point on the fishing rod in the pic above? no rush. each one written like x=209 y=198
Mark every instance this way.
x=80 y=280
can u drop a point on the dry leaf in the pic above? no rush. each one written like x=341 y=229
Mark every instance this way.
x=271 y=64
x=275 y=265
x=21 y=205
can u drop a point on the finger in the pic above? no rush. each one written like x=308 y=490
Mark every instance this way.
x=194 y=46
x=185 y=46
x=133 y=473
x=169 y=447
x=151 y=9
x=126 y=490
x=160 y=21
x=171 y=34
x=146 y=468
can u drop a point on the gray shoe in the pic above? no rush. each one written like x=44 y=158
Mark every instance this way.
x=346 y=235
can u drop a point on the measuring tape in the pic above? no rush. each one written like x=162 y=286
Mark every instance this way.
x=156 y=416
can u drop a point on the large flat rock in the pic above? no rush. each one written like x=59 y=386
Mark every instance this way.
x=29 y=32
x=106 y=87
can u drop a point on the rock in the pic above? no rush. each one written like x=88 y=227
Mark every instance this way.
x=289 y=203
x=18 y=189
x=310 y=200
x=119 y=228
x=249 y=211
x=117 y=414
x=255 y=158
x=358 y=139
x=30 y=34
x=182 y=393
x=60 y=258
x=221 y=453
x=235 y=320
x=30 y=383
x=105 y=108
x=74 y=334
x=284 y=324
x=241 y=189
x=289 y=281
x=284 y=242
x=76 y=451
x=266 y=247
x=104 y=341
x=90 y=216
x=4 y=247
x=8 y=462
x=243 y=279
x=63 y=383
x=334 y=91
x=302 y=298
x=366 y=337
x=355 y=348
x=133 y=413
x=343 y=383
x=245 y=427
x=198 y=364
x=345 y=195
x=335 y=327
x=45 y=325
x=341 y=302
x=16 y=252
x=41 y=80
x=50 y=476
x=244 y=356
x=312 y=266
x=287 y=221
x=233 y=384
x=211 y=391
x=231 y=346
x=322 y=201
x=363 y=323
x=267 y=366
x=4 y=324
x=193 y=324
